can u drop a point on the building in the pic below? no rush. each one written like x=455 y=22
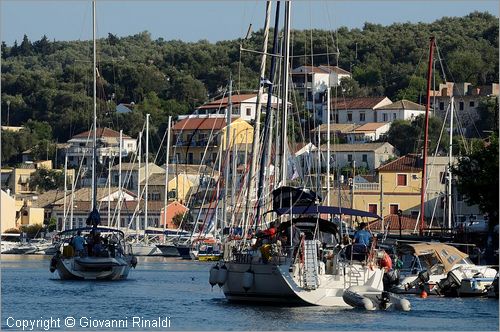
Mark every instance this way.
x=354 y=110
x=338 y=132
x=368 y=155
x=17 y=179
x=108 y=146
x=7 y=212
x=311 y=82
x=132 y=175
x=368 y=132
x=198 y=140
x=183 y=182
x=174 y=208
x=398 y=110
x=467 y=98
x=243 y=107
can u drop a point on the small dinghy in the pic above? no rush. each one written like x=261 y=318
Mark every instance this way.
x=370 y=298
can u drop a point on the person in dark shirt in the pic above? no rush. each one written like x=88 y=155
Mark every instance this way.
x=363 y=236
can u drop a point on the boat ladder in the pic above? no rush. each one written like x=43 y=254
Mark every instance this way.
x=353 y=276
x=310 y=277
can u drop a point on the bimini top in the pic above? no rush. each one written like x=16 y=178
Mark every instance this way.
x=325 y=210
x=444 y=253
x=85 y=229
x=310 y=223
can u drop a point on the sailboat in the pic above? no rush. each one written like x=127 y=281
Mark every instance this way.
x=106 y=255
x=308 y=265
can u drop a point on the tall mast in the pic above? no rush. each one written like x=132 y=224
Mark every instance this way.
x=263 y=160
x=146 y=171
x=450 y=162
x=227 y=162
x=119 y=223
x=94 y=148
x=165 y=199
x=256 y=132
x=426 y=134
x=138 y=222
x=286 y=67
x=65 y=214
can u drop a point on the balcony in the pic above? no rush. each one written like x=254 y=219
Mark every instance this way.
x=366 y=187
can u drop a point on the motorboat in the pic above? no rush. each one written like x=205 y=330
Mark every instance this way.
x=14 y=243
x=440 y=268
x=112 y=261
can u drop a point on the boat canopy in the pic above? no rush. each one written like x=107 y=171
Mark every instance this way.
x=325 y=210
x=444 y=253
x=324 y=225
x=88 y=229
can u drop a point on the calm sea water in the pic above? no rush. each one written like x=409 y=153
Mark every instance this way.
x=179 y=291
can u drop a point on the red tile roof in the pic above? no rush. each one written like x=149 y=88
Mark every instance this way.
x=335 y=69
x=222 y=103
x=308 y=70
x=370 y=126
x=403 y=105
x=101 y=132
x=408 y=163
x=200 y=124
x=356 y=103
x=407 y=223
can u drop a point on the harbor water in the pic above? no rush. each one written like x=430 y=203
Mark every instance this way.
x=173 y=294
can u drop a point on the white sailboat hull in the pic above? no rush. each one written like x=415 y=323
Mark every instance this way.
x=268 y=286
x=141 y=249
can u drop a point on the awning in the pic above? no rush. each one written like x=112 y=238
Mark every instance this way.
x=326 y=210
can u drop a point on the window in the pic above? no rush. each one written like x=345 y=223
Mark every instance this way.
x=384 y=117
x=365 y=158
x=349 y=157
x=402 y=180
x=394 y=116
x=349 y=117
x=442 y=177
x=461 y=105
x=372 y=208
x=441 y=106
x=362 y=117
x=393 y=208
x=471 y=103
x=374 y=116
x=249 y=111
x=336 y=118
x=414 y=214
x=190 y=158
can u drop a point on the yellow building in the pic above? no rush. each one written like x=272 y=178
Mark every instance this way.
x=7 y=211
x=17 y=179
x=398 y=188
x=198 y=140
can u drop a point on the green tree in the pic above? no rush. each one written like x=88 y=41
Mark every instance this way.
x=350 y=87
x=26 y=48
x=44 y=179
x=488 y=115
x=476 y=177
x=184 y=220
x=407 y=136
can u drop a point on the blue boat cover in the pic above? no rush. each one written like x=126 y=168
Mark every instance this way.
x=313 y=209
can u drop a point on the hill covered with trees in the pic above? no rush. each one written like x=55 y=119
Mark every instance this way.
x=48 y=84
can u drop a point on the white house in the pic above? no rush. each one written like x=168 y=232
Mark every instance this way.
x=354 y=110
x=369 y=155
x=398 y=110
x=243 y=107
x=108 y=146
x=368 y=132
x=311 y=82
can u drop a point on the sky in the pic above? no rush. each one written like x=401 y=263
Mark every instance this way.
x=191 y=20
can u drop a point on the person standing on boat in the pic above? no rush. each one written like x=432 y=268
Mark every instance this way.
x=79 y=244
x=363 y=236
